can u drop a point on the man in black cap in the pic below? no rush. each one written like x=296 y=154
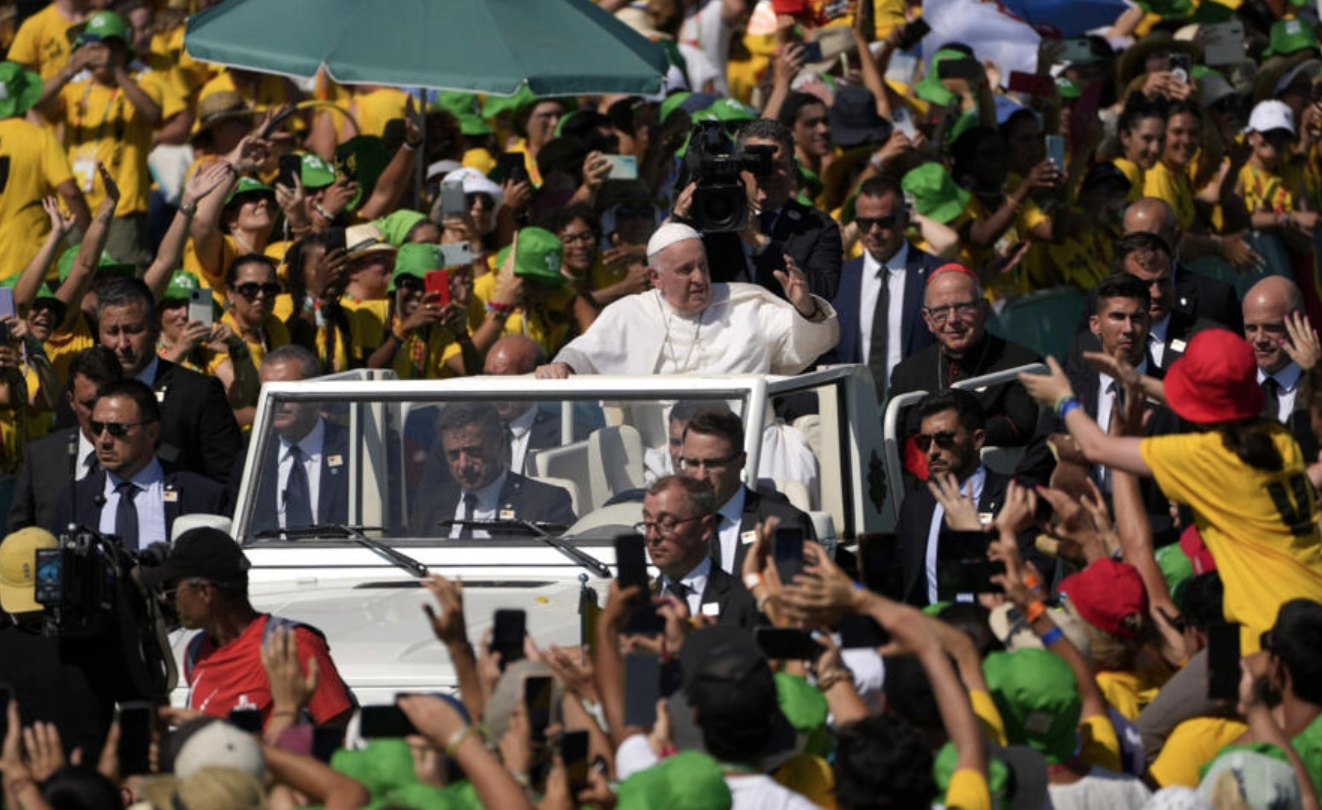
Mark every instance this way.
x=206 y=576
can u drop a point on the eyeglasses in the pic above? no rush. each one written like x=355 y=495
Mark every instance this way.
x=708 y=463
x=169 y=593
x=866 y=224
x=117 y=430
x=583 y=236
x=665 y=527
x=941 y=314
x=944 y=439
x=250 y=289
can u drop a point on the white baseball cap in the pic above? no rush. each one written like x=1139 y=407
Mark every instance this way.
x=1271 y=115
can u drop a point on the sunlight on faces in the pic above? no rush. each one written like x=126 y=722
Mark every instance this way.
x=292 y=420
x=1153 y=269
x=1143 y=144
x=128 y=331
x=675 y=552
x=961 y=456
x=1264 y=328
x=127 y=455
x=712 y=459
x=250 y=311
x=680 y=273
x=1122 y=327
x=880 y=240
x=955 y=312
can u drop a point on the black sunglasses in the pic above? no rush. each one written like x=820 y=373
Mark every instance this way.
x=945 y=440
x=250 y=289
x=865 y=224
x=116 y=429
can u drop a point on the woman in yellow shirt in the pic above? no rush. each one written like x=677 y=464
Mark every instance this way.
x=1169 y=178
x=1142 y=131
x=211 y=349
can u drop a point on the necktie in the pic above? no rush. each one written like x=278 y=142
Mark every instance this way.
x=877 y=340
x=765 y=221
x=93 y=465
x=470 y=509
x=680 y=591
x=126 y=516
x=298 y=497
x=1271 y=390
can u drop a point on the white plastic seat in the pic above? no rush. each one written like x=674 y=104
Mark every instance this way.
x=615 y=462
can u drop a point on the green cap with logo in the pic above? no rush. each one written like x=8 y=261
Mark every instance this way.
x=105 y=25
x=1290 y=36
x=395 y=226
x=248 y=185
x=539 y=257
x=1068 y=88
x=181 y=284
x=936 y=195
x=930 y=88
x=416 y=260
x=1038 y=698
x=19 y=89
x=690 y=779
x=106 y=264
x=316 y=173
x=727 y=110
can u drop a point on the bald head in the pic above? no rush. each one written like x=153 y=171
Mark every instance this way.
x=1151 y=215
x=513 y=354
x=1266 y=306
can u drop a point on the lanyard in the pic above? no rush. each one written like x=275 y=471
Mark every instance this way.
x=105 y=115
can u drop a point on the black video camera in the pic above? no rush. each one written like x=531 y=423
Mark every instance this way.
x=720 y=202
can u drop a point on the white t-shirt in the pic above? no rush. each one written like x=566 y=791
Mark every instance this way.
x=1100 y=790
x=705 y=29
x=761 y=792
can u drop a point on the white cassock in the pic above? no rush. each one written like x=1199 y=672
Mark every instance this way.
x=744 y=330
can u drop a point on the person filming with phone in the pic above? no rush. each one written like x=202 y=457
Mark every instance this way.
x=428 y=336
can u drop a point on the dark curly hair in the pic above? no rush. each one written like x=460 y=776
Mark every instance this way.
x=883 y=763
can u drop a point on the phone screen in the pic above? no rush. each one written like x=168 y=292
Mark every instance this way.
x=631 y=560
x=384 y=721
x=1223 y=661
x=787 y=644
x=858 y=632
x=642 y=689
x=787 y=551
x=135 y=724
x=574 y=752
x=1056 y=151
x=250 y=720
x=507 y=635
x=537 y=698
x=623 y=167
x=290 y=166
x=912 y=33
x=6 y=302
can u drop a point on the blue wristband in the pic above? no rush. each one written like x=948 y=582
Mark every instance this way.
x=1052 y=636
x=1069 y=405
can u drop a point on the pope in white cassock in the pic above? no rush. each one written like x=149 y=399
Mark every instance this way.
x=687 y=325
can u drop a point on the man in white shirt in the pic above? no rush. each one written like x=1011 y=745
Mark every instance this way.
x=1266 y=306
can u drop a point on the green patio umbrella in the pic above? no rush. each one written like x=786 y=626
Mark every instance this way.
x=555 y=47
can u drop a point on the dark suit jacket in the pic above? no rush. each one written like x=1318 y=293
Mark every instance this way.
x=197 y=495
x=333 y=488
x=1301 y=425
x=198 y=431
x=808 y=236
x=758 y=506
x=737 y=606
x=528 y=499
x=43 y=476
x=912 y=329
x=915 y=526
x=546 y=434
x=1011 y=414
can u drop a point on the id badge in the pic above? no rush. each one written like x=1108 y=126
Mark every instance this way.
x=84 y=171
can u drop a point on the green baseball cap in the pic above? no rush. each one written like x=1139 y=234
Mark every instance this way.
x=106 y=264
x=385 y=764
x=181 y=284
x=690 y=779
x=936 y=195
x=105 y=25
x=539 y=257
x=671 y=103
x=1176 y=569
x=316 y=173
x=803 y=704
x=1067 y=88
x=1038 y=698
x=930 y=88
x=395 y=227
x=729 y=111
x=493 y=106
x=416 y=260
x=456 y=102
x=473 y=125
x=1290 y=36
x=19 y=89
x=248 y=185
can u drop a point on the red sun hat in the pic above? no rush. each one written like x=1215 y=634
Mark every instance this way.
x=1105 y=593
x=1216 y=380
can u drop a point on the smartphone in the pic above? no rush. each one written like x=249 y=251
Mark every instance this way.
x=6 y=694
x=623 y=167
x=912 y=33
x=507 y=635
x=290 y=166
x=437 y=286
x=645 y=621
x=631 y=560
x=787 y=644
x=250 y=720
x=537 y=698
x=1056 y=151
x=512 y=168
x=1223 y=661
x=574 y=753
x=200 y=306
x=1180 y=65
x=1078 y=49
x=960 y=577
x=787 y=551
x=456 y=254
x=642 y=689
x=1223 y=43
x=958 y=69
x=452 y=198
x=135 y=725
x=812 y=52
x=384 y=721
x=861 y=632
x=902 y=121
x=335 y=239
x=7 y=302
x=1033 y=84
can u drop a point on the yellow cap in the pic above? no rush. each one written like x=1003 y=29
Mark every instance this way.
x=18 y=568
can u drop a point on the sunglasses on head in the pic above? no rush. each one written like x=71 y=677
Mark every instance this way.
x=117 y=430
x=944 y=439
x=250 y=289
x=866 y=224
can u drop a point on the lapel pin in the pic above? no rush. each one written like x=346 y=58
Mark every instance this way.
x=506 y=514
x=748 y=537
x=169 y=496
x=334 y=461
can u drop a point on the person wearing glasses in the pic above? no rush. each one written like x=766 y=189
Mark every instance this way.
x=951 y=433
x=881 y=292
x=713 y=451
x=133 y=495
x=677 y=527
x=251 y=287
x=956 y=312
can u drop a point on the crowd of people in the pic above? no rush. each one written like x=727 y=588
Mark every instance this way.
x=1127 y=614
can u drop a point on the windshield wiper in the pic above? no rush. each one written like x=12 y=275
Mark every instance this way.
x=540 y=531
x=354 y=533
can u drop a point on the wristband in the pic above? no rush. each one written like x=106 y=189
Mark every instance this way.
x=1033 y=582
x=1035 y=611
x=1061 y=400
x=457 y=739
x=1052 y=636
x=1067 y=406
x=499 y=308
x=326 y=215
x=752 y=580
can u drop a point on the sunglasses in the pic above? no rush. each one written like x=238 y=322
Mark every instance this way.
x=866 y=224
x=250 y=289
x=117 y=430
x=944 y=440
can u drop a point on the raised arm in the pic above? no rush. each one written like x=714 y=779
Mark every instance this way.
x=1054 y=391
x=203 y=182
x=34 y=275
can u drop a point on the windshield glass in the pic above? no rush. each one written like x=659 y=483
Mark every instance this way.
x=505 y=464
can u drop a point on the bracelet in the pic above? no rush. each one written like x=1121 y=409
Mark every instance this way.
x=326 y=215
x=1052 y=636
x=412 y=147
x=1061 y=400
x=1067 y=406
x=500 y=309
x=1033 y=582
x=752 y=580
x=457 y=739
x=188 y=210
x=1035 y=611
x=832 y=677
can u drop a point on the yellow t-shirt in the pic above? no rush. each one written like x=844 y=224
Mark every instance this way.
x=367 y=326
x=1265 y=191
x=275 y=332
x=101 y=124
x=60 y=348
x=1129 y=692
x=42 y=42
x=374 y=108
x=271 y=93
x=1193 y=744
x=1134 y=174
x=1084 y=257
x=170 y=44
x=1098 y=744
x=549 y=325
x=1173 y=187
x=968 y=790
x=1260 y=526
x=34 y=164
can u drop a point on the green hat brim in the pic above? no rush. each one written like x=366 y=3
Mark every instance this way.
x=28 y=94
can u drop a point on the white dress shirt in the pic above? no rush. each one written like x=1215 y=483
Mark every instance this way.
x=1157 y=340
x=150 y=503
x=1287 y=382
x=869 y=289
x=86 y=453
x=520 y=432
x=311 y=445
x=1105 y=402
x=488 y=504
x=728 y=518
x=696 y=582
x=977 y=480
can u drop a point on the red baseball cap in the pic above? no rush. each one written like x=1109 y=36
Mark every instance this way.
x=1216 y=380
x=1105 y=593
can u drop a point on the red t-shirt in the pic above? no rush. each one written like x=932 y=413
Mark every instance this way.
x=232 y=676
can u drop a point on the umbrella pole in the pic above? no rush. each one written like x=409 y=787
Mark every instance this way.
x=420 y=160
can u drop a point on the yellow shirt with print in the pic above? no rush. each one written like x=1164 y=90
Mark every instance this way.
x=102 y=125
x=170 y=44
x=1193 y=744
x=1084 y=257
x=1036 y=271
x=1260 y=526
x=549 y=325
x=1173 y=187
x=42 y=42
x=423 y=356
x=33 y=164
x=274 y=335
x=1265 y=191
